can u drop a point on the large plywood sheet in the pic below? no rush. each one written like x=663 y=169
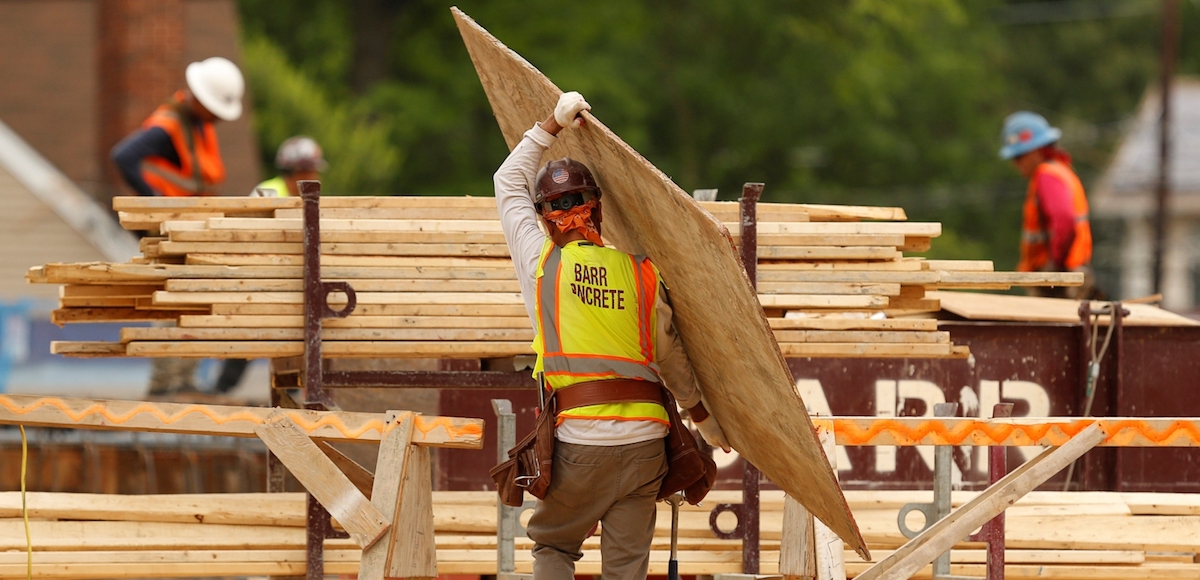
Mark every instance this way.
x=740 y=368
x=1007 y=307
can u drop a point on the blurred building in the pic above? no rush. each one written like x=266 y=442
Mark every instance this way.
x=1126 y=194
x=78 y=75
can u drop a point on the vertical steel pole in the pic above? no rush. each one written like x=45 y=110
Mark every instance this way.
x=506 y=530
x=994 y=529
x=943 y=459
x=1170 y=40
x=749 y=521
x=317 y=519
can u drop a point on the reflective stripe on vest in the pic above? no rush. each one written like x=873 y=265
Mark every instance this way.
x=200 y=168
x=606 y=299
x=1035 y=248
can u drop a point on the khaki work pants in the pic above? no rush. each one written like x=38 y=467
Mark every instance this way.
x=616 y=486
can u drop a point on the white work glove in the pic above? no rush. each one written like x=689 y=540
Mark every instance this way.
x=569 y=105
x=713 y=434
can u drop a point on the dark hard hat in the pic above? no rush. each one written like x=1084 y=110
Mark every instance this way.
x=561 y=177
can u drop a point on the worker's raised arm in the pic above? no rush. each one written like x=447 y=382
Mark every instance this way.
x=514 y=183
x=129 y=153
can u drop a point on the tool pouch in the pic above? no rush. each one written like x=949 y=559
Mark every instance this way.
x=688 y=468
x=529 y=461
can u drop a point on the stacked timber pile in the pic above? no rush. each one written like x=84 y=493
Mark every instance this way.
x=433 y=279
x=1086 y=535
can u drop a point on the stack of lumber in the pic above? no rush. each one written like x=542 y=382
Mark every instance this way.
x=1085 y=535
x=433 y=279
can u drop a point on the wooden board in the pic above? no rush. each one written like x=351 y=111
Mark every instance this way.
x=979 y=306
x=224 y=420
x=752 y=394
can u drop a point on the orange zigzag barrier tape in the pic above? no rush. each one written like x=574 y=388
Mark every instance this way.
x=1050 y=431
x=226 y=420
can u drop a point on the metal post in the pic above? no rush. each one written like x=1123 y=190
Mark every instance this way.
x=506 y=516
x=751 y=477
x=943 y=459
x=1170 y=40
x=993 y=531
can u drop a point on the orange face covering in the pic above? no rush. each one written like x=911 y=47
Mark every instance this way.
x=578 y=218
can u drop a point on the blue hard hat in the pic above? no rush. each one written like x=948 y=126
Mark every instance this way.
x=1025 y=132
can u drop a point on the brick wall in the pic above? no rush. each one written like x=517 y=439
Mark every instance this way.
x=76 y=76
x=140 y=46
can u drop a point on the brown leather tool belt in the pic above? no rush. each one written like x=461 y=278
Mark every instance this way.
x=610 y=391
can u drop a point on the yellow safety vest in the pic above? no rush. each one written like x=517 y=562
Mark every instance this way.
x=596 y=321
x=278 y=184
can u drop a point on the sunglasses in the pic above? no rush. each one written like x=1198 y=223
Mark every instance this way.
x=568 y=201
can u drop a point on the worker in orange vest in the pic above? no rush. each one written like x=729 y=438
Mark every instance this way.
x=175 y=153
x=1055 y=233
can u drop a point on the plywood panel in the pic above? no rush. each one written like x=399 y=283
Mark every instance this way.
x=716 y=310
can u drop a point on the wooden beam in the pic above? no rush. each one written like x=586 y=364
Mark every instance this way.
x=322 y=478
x=361 y=477
x=331 y=349
x=941 y=536
x=330 y=334
x=387 y=491
x=224 y=420
x=399 y=322
x=359 y=285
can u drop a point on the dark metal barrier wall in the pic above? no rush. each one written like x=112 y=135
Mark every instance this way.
x=1037 y=367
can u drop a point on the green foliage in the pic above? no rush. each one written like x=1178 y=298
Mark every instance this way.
x=362 y=157
x=886 y=102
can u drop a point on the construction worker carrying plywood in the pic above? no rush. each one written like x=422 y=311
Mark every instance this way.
x=1055 y=233
x=175 y=153
x=606 y=346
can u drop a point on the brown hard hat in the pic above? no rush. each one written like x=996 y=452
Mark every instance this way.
x=563 y=176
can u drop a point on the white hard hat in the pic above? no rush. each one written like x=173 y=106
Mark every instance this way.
x=218 y=85
x=300 y=153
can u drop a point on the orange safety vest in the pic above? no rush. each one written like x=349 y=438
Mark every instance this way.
x=200 y=168
x=597 y=321
x=1035 y=240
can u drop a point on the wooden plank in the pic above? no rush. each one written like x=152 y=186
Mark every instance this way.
x=139 y=204
x=864 y=350
x=921 y=229
x=851 y=324
x=87 y=349
x=224 y=420
x=333 y=349
x=295 y=236
x=367 y=285
x=847 y=288
x=332 y=334
x=392 y=464
x=63 y=316
x=322 y=478
x=827 y=253
x=797 y=551
x=360 y=476
x=397 y=322
x=1167 y=504
x=83 y=291
x=904 y=265
x=817 y=301
x=465 y=310
x=165 y=298
x=969 y=279
x=853 y=336
x=979 y=306
x=893 y=240
x=413 y=554
x=915 y=244
x=958 y=265
x=485 y=211
x=340 y=249
x=645 y=213
x=356 y=261
x=941 y=536
x=830 y=561
x=809 y=275
x=374 y=225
